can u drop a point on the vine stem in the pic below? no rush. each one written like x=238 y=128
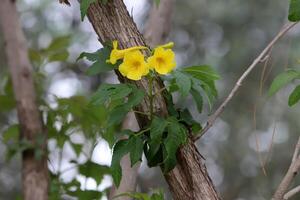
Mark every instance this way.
x=261 y=57
x=151 y=96
x=142 y=131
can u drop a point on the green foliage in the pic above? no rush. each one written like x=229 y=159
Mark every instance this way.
x=99 y=61
x=93 y=170
x=196 y=80
x=142 y=196
x=119 y=99
x=11 y=134
x=120 y=149
x=294 y=11
x=282 y=80
x=177 y=136
x=183 y=82
x=56 y=51
x=187 y=119
x=294 y=96
x=136 y=146
x=157 y=2
x=7 y=100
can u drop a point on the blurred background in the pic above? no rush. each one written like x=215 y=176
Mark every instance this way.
x=249 y=148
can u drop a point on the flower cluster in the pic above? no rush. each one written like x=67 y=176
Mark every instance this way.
x=134 y=65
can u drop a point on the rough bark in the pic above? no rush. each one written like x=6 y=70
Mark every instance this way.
x=189 y=179
x=34 y=172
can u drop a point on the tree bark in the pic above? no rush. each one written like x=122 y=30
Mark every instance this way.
x=189 y=179
x=34 y=172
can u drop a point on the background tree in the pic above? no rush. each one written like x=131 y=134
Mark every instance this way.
x=215 y=145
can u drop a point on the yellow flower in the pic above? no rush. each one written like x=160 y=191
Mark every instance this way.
x=134 y=65
x=117 y=54
x=168 y=45
x=163 y=60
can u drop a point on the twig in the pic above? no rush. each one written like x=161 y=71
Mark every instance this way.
x=290 y=175
x=291 y=193
x=260 y=57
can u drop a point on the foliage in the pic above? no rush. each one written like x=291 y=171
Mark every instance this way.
x=294 y=11
x=282 y=80
x=143 y=196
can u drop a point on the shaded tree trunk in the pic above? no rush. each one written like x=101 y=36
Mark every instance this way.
x=34 y=172
x=189 y=179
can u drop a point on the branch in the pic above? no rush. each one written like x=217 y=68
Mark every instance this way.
x=291 y=193
x=261 y=57
x=289 y=176
x=34 y=172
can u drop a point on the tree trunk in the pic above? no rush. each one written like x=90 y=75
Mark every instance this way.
x=34 y=172
x=189 y=179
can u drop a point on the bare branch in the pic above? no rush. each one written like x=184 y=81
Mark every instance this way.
x=238 y=84
x=291 y=193
x=290 y=175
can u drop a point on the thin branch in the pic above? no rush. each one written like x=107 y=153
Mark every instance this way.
x=238 y=84
x=291 y=193
x=290 y=175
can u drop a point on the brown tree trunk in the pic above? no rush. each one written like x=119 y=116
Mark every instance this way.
x=34 y=172
x=189 y=179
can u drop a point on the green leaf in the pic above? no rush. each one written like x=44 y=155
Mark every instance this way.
x=110 y=92
x=120 y=149
x=59 y=43
x=99 y=58
x=93 y=170
x=157 y=128
x=183 y=82
x=294 y=96
x=77 y=148
x=35 y=56
x=86 y=194
x=84 y=5
x=294 y=11
x=187 y=118
x=60 y=56
x=136 y=145
x=11 y=134
x=117 y=114
x=176 y=137
x=208 y=90
x=281 y=80
x=97 y=68
x=89 y=56
x=135 y=97
x=198 y=99
x=7 y=103
x=202 y=72
x=157 y=2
